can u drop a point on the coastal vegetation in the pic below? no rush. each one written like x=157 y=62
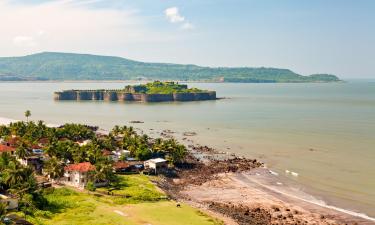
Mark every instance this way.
x=158 y=87
x=125 y=199
x=67 y=66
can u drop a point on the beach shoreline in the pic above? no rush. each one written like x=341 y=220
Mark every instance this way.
x=256 y=181
x=255 y=191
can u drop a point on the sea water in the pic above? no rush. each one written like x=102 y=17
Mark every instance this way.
x=323 y=134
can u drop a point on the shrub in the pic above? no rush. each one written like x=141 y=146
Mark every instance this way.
x=90 y=186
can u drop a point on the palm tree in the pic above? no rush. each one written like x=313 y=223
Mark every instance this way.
x=3 y=211
x=22 y=152
x=103 y=172
x=116 y=130
x=12 y=176
x=54 y=168
x=27 y=114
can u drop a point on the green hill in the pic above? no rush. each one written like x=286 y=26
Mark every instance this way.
x=68 y=66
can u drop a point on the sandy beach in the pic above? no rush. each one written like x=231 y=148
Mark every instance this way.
x=248 y=193
x=236 y=193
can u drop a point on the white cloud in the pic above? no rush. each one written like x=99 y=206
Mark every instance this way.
x=187 y=26
x=31 y=41
x=24 y=41
x=65 y=25
x=173 y=15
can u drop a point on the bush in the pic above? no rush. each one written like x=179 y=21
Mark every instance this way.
x=90 y=186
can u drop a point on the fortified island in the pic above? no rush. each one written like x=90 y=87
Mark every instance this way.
x=151 y=92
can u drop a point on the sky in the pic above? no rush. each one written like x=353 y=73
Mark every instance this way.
x=306 y=36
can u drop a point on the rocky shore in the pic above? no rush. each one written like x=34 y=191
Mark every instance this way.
x=237 y=188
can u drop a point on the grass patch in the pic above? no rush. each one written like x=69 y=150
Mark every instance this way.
x=68 y=206
x=134 y=189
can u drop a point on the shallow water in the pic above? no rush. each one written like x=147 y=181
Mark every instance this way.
x=323 y=132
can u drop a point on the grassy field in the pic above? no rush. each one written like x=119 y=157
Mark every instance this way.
x=136 y=188
x=70 y=207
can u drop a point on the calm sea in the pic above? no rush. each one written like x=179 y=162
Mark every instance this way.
x=323 y=132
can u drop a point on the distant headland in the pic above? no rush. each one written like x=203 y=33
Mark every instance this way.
x=151 y=92
x=56 y=66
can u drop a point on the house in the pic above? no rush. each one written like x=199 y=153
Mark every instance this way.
x=35 y=161
x=128 y=166
x=43 y=142
x=156 y=165
x=121 y=167
x=13 y=141
x=7 y=148
x=10 y=202
x=37 y=149
x=76 y=175
x=84 y=142
x=110 y=155
x=118 y=154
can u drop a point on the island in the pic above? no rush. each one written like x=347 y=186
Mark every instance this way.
x=57 y=66
x=151 y=92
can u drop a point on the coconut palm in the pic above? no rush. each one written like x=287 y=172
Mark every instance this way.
x=22 y=152
x=103 y=172
x=54 y=168
x=27 y=115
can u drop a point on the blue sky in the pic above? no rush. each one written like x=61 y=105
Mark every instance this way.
x=307 y=36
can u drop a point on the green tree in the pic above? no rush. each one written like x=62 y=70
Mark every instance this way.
x=27 y=115
x=3 y=211
x=103 y=172
x=54 y=168
x=22 y=152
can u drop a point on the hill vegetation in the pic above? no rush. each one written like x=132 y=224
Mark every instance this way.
x=68 y=66
x=158 y=87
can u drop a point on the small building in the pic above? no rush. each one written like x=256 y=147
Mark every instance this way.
x=34 y=161
x=108 y=153
x=13 y=141
x=10 y=202
x=121 y=167
x=43 y=142
x=156 y=165
x=83 y=142
x=118 y=154
x=7 y=148
x=76 y=175
x=37 y=151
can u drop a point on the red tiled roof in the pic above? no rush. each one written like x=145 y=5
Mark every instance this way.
x=13 y=140
x=5 y=148
x=120 y=165
x=81 y=167
x=106 y=152
x=36 y=147
x=43 y=141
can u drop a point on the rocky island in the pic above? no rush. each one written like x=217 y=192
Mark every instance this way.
x=151 y=92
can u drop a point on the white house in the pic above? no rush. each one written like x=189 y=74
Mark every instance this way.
x=116 y=155
x=122 y=153
x=84 y=142
x=10 y=202
x=156 y=164
x=76 y=175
